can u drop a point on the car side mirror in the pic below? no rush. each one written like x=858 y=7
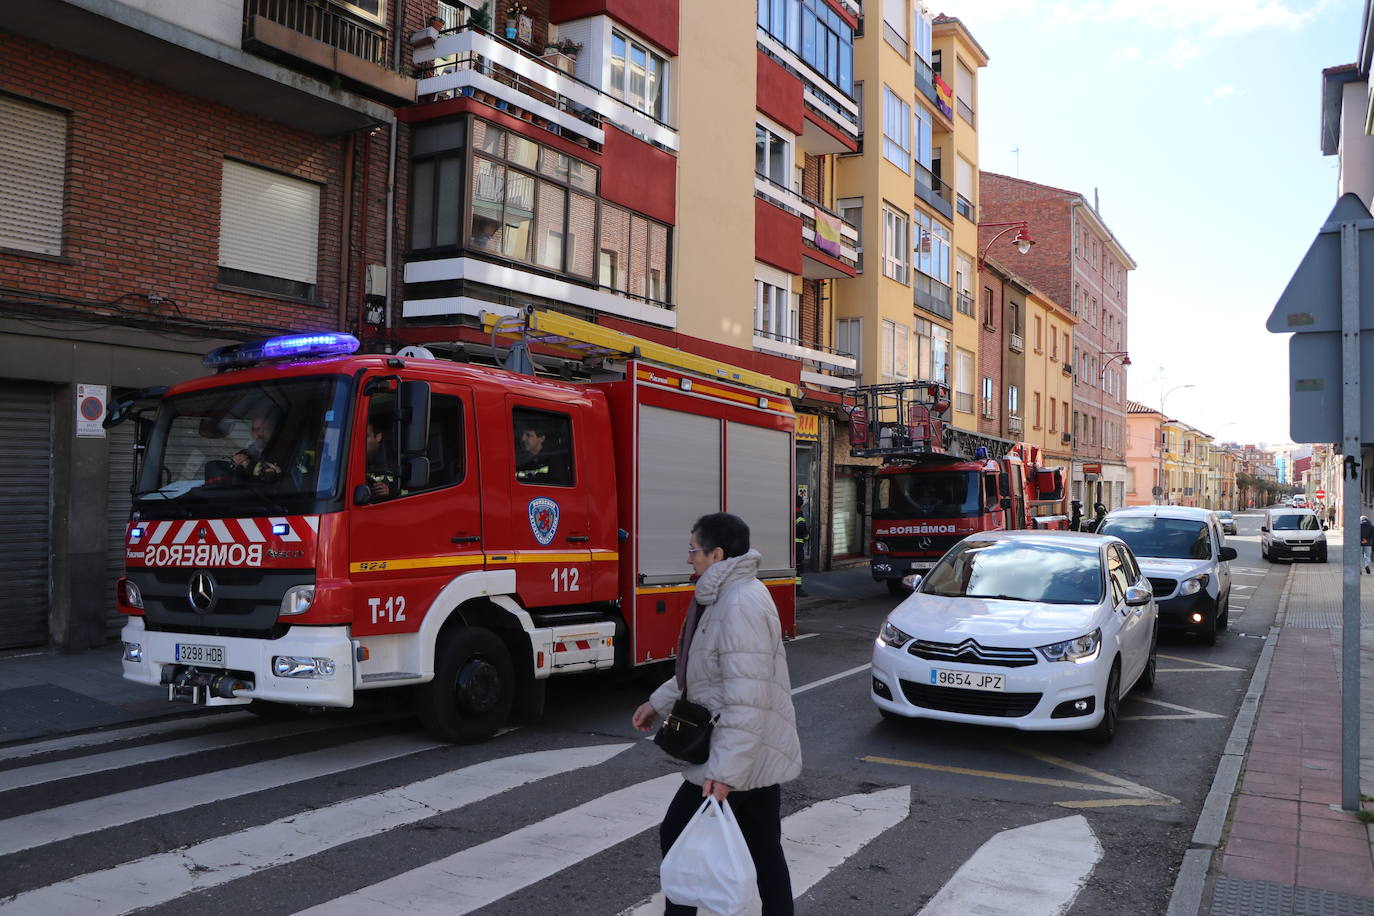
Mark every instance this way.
x=1325 y=526
x=912 y=581
x=1264 y=527
x=1138 y=595
x=1228 y=553
x=1006 y=502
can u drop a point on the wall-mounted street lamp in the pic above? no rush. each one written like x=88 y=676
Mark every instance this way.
x=1022 y=240
x=1113 y=355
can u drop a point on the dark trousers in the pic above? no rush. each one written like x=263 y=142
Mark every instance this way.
x=759 y=813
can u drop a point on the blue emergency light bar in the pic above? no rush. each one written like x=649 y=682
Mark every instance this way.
x=288 y=346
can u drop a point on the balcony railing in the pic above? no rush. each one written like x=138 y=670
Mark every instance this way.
x=932 y=295
x=842 y=364
x=1016 y=343
x=324 y=22
x=965 y=208
x=966 y=113
x=963 y=401
x=1014 y=425
x=925 y=80
x=469 y=58
x=965 y=304
x=934 y=191
x=801 y=206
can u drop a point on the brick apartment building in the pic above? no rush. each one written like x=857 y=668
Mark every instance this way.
x=1078 y=262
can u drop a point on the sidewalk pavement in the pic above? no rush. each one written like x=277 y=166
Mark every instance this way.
x=1272 y=839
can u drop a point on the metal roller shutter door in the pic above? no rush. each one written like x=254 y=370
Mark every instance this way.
x=25 y=505
x=121 y=468
x=679 y=482
x=845 y=520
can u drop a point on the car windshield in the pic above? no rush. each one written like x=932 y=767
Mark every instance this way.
x=928 y=494
x=271 y=448
x=1295 y=522
x=1166 y=538
x=1058 y=572
x=1225 y=516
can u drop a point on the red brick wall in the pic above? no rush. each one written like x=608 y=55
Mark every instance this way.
x=990 y=348
x=142 y=207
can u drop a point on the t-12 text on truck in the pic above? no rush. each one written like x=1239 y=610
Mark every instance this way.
x=309 y=523
x=938 y=484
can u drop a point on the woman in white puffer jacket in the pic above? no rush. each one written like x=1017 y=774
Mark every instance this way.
x=731 y=660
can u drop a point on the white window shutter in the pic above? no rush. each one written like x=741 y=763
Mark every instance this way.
x=33 y=163
x=269 y=223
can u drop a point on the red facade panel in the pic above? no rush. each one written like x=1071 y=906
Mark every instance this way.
x=777 y=237
x=849 y=142
x=639 y=175
x=655 y=22
x=779 y=94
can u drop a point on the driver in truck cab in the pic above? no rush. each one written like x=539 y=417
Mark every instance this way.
x=249 y=460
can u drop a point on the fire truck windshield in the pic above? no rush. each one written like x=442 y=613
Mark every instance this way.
x=928 y=494
x=270 y=448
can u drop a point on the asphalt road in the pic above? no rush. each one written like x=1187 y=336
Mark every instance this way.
x=359 y=812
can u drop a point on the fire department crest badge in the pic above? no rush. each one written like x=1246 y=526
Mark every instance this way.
x=543 y=519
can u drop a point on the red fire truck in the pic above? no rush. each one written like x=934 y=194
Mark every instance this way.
x=309 y=523
x=937 y=484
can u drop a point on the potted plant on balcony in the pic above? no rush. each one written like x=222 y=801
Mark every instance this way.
x=512 y=28
x=481 y=18
x=562 y=53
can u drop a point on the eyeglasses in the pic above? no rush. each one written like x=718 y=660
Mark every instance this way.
x=692 y=550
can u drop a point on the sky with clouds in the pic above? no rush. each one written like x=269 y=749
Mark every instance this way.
x=1196 y=123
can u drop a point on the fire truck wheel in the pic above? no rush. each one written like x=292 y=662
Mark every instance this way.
x=474 y=683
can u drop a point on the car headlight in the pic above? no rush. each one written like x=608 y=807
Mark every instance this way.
x=1080 y=649
x=891 y=636
x=1194 y=585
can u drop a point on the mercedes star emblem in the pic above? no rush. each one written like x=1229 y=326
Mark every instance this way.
x=201 y=592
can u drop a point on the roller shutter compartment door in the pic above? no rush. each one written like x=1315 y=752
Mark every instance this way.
x=759 y=490
x=26 y=507
x=120 y=440
x=679 y=482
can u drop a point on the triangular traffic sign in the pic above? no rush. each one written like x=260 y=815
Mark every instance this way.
x=1312 y=300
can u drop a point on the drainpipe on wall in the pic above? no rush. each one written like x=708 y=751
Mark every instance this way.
x=345 y=236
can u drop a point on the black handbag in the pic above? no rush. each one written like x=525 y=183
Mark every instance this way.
x=686 y=732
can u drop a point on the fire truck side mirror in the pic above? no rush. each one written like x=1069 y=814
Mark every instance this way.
x=413 y=399
x=414 y=472
x=1006 y=502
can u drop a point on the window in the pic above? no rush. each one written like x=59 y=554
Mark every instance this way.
x=894 y=244
x=896 y=131
x=989 y=316
x=543 y=447
x=446 y=450
x=775 y=311
x=637 y=75
x=851 y=210
x=1066 y=344
x=1054 y=342
x=964 y=185
x=925 y=142
x=772 y=157
x=921 y=34
x=894 y=25
x=1054 y=415
x=1035 y=409
x=33 y=166
x=369 y=9
x=932 y=343
x=849 y=340
x=815 y=33
x=1013 y=401
x=988 y=397
x=932 y=252
x=1038 y=335
x=964 y=87
x=963 y=284
x=1013 y=318
x=963 y=380
x=1065 y=407
x=269 y=231
x=895 y=347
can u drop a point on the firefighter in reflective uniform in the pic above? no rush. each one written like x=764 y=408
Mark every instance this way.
x=381 y=477
x=531 y=463
x=803 y=535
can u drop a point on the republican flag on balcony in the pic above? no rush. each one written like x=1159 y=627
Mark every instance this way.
x=827 y=232
x=944 y=96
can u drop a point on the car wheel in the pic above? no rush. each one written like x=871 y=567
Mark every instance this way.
x=897 y=589
x=1207 y=635
x=1224 y=613
x=1105 y=730
x=473 y=687
x=1321 y=559
x=1146 y=681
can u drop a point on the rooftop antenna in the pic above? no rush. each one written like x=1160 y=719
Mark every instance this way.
x=1016 y=151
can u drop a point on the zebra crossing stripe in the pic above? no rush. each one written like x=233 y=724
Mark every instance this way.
x=820 y=838
x=1035 y=870
x=109 y=736
x=475 y=877
x=164 y=877
x=28 y=831
x=37 y=774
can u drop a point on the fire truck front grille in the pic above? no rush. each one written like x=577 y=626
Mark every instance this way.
x=969 y=652
x=243 y=601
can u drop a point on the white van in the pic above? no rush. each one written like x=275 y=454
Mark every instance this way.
x=1292 y=534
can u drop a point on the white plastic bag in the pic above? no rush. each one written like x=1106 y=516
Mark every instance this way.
x=709 y=865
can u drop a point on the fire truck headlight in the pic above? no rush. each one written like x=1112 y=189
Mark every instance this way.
x=133 y=652
x=302 y=666
x=880 y=547
x=297 y=600
x=128 y=594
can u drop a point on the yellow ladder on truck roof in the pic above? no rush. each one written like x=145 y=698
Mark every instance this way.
x=583 y=339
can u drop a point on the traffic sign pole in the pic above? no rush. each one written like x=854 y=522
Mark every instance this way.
x=1351 y=489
